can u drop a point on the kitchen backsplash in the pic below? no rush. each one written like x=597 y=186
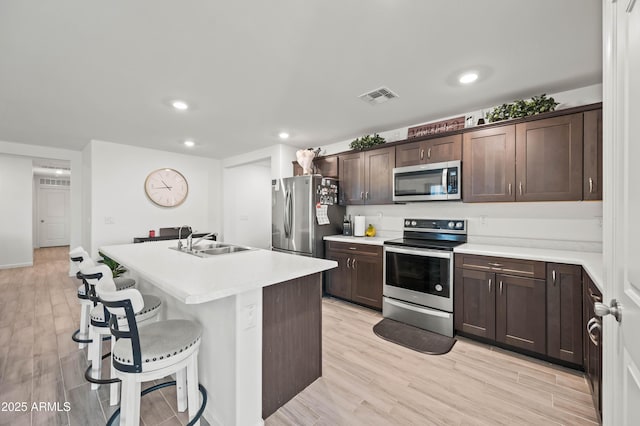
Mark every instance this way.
x=555 y=225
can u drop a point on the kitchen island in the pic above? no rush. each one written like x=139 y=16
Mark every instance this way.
x=261 y=315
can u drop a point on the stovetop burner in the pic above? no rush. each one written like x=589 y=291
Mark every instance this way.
x=438 y=234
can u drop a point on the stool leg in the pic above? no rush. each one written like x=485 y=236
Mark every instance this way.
x=84 y=323
x=192 y=387
x=96 y=356
x=181 y=389
x=130 y=405
x=114 y=388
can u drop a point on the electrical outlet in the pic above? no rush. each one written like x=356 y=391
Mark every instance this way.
x=483 y=219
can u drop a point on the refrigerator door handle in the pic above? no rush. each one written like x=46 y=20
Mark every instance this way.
x=287 y=214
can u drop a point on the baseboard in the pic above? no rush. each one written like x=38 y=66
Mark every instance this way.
x=16 y=265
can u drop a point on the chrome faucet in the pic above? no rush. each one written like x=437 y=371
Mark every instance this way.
x=180 y=235
x=190 y=244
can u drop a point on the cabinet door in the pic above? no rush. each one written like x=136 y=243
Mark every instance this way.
x=366 y=287
x=489 y=165
x=326 y=166
x=409 y=154
x=520 y=312
x=448 y=148
x=592 y=175
x=378 y=170
x=593 y=358
x=564 y=312
x=351 y=172
x=338 y=280
x=549 y=159
x=474 y=302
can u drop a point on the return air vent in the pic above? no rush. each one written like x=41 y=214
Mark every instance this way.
x=378 y=96
x=55 y=182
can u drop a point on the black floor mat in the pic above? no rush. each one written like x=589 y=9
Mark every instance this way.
x=413 y=337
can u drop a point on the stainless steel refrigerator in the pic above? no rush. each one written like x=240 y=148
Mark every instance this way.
x=301 y=207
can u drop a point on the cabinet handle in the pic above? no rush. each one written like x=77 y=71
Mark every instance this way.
x=520 y=188
x=495 y=265
x=590 y=185
x=353 y=263
x=594 y=297
x=553 y=277
x=509 y=188
x=422 y=154
x=362 y=195
x=353 y=248
x=500 y=287
x=366 y=195
x=429 y=153
x=593 y=326
x=489 y=285
x=348 y=262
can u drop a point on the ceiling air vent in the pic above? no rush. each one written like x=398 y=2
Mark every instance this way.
x=378 y=96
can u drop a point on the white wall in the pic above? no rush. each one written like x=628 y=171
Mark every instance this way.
x=16 y=190
x=118 y=173
x=75 y=161
x=247 y=204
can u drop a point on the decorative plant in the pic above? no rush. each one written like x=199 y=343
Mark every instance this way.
x=521 y=108
x=367 y=142
x=116 y=268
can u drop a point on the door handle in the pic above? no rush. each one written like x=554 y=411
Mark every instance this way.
x=594 y=297
x=520 y=188
x=422 y=154
x=353 y=263
x=429 y=153
x=509 y=188
x=445 y=173
x=593 y=326
x=362 y=195
x=366 y=195
x=615 y=309
x=489 y=285
x=348 y=262
x=553 y=277
x=500 y=287
x=590 y=185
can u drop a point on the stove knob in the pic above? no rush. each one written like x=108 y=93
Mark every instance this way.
x=459 y=225
x=407 y=222
x=414 y=223
x=451 y=225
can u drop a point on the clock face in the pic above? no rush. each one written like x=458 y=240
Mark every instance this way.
x=166 y=187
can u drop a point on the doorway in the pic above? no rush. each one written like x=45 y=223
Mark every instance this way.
x=51 y=203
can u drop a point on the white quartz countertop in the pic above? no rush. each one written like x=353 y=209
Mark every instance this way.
x=590 y=261
x=375 y=241
x=193 y=280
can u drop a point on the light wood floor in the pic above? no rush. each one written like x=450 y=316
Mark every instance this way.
x=366 y=380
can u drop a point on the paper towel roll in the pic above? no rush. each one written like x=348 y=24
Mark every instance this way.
x=358 y=226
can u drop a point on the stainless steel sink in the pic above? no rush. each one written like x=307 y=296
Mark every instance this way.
x=212 y=248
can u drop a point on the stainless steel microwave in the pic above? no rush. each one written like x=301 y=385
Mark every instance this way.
x=427 y=182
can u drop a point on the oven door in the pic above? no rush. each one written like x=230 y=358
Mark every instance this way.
x=420 y=276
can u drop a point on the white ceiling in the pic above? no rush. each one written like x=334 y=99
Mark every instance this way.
x=76 y=70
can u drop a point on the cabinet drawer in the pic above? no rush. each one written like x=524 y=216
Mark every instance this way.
x=361 y=249
x=519 y=267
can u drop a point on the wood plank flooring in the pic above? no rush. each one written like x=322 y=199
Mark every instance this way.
x=366 y=380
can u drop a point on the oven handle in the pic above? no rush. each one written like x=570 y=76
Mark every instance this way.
x=412 y=307
x=419 y=252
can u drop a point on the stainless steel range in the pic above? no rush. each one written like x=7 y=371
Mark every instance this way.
x=418 y=273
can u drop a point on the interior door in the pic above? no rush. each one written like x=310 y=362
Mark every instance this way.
x=53 y=217
x=621 y=387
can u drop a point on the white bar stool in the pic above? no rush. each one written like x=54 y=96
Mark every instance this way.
x=99 y=327
x=77 y=256
x=151 y=352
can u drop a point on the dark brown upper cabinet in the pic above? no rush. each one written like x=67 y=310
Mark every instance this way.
x=366 y=177
x=326 y=166
x=448 y=148
x=592 y=175
x=549 y=159
x=489 y=164
x=564 y=312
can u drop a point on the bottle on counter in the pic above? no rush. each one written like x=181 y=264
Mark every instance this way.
x=347 y=229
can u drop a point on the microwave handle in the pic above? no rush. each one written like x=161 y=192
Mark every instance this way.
x=445 y=173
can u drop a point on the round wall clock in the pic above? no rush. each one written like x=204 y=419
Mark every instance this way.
x=166 y=187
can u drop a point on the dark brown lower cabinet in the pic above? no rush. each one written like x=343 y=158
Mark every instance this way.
x=564 y=312
x=520 y=312
x=475 y=302
x=592 y=356
x=358 y=277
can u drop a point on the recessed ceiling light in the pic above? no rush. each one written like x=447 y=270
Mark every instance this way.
x=284 y=135
x=189 y=143
x=58 y=172
x=180 y=105
x=469 y=77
